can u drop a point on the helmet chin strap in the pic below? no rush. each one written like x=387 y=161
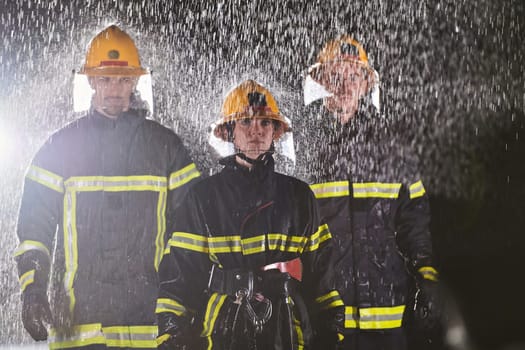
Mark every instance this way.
x=251 y=161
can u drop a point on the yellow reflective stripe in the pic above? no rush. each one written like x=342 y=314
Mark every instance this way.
x=381 y=317
x=114 y=336
x=46 y=178
x=322 y=234
x=225 y=244
x=183 y=176
x=351 y=317
x=28 y=245
x=161 y=339
x=83 y=335
x=374 y=317
x=70 y=245
x=429 y=273
x=416 y=190
x=26 y=279
x=131 y=336
x=116 y=183
x=212 y=311
x=329 y=300
x=285 y=243
x=331 y=189
x=298 y=332
x=253 y=245
x=376 y=190
x=170 y=305
x=247 y=246
x=161 y=228
x=189 y=241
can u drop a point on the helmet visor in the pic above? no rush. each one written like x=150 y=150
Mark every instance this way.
x=83 y=93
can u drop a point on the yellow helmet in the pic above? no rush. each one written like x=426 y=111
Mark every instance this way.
x=343 y=48
x=249 y=100
x=112 y=52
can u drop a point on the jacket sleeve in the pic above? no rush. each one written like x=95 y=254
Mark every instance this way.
x=183 y=271
x=318 y=276
x=412 y=226
x=40 y=214
x=182 y=174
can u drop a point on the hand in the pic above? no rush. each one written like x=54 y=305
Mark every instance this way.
x=175 y=332
x=36 y=314
x=428 y=306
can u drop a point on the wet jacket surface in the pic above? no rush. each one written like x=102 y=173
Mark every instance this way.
x=242 y=220
x=99 y=188
x=377 y=210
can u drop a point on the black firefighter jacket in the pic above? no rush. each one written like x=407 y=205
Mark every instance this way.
x=376 y=208
x=101 y=187
x=242 y=220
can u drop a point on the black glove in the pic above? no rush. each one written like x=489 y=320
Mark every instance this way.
x=174 y=332
x=36 y=314
x=428 y=306
x=329 y=329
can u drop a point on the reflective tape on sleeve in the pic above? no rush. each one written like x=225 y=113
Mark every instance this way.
x=26 y=279
x=329 y=301
x=183 y=176
x=171 y=306
x=29 y=245
x=46 y=178
x=416 y=190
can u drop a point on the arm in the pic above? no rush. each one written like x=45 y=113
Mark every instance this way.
x=39 y=216
x=183 y=275
x=318 y=282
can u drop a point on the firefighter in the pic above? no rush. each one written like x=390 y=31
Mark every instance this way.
x=370 y=196
x=98 y=190
x=248 y=255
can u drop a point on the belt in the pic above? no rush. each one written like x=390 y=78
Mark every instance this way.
x=231 y=281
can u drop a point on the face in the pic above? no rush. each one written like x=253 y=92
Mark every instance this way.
x=253 y=136
x=112 y=94
x=348 y=82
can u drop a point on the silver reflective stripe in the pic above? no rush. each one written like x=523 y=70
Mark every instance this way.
x=116 y=183
x=26 y=246
x=416 y=190
x=324 y=233
x=380 y=318
x=212 y=310
x=26 y=279
x=161 y=228
x=167 y=305
x=129 y=336
x=286 y=243
x=330 y=189
x=70 y=245
x=376 y=190
x=183 y=176
x=46 y=178
x=183 y=241
x=77 y=338
x=225 y=246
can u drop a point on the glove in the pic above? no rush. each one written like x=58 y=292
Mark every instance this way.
x=174 y=332
x=330 y=329
x=36 y=313
x=428 y=306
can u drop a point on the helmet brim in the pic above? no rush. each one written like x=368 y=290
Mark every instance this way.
x=220 y=130
x=114 y=71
